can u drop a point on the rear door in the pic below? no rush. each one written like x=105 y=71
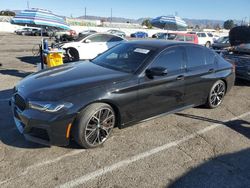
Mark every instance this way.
x=200 y=74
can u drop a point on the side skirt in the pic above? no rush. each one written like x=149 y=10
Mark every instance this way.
x=157 y=116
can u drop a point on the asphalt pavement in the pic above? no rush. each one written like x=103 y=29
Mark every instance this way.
x=197 y=147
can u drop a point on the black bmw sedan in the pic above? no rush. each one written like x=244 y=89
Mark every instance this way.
x=131 y=82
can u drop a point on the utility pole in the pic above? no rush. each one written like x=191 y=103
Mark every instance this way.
x=85 y=13
x=111 y=15
x=28 y=5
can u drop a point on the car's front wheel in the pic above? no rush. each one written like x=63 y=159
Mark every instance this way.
x=216 y=94
x=94 y=124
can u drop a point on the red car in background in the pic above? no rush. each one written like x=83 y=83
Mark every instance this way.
x=192 y=38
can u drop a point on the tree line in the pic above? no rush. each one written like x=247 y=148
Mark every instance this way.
x=228 y=24
x=7 y=13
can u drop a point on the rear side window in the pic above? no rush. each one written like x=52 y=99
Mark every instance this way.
x=210 y=57
x=172 y=59
x=196 y=56
x=210 y=34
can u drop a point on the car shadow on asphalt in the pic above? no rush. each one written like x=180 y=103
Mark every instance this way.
x=30 y=59
x=239 y=125
x=9 y=134
x=240 y=82
x=230 y=170
x=14 y=72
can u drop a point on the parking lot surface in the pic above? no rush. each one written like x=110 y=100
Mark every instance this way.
x=197 y=147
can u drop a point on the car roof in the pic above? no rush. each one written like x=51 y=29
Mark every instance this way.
x=93 y=34
x=160 y=44
x=184 y=34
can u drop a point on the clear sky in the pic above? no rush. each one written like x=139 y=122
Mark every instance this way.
x=197 y=9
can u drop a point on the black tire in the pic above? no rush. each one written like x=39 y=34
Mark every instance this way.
x=208 y=44
x=72 y=54
x=88 y=132
x=216 y=94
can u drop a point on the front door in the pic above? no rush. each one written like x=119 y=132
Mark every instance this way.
x=92 y=46
x=161 y=94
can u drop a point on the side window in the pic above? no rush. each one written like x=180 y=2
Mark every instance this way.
x=172 y=59
x=201 y=34
x=115 y=39
x=100 y=38
x=95 y=38
x=196 y=56
x=189 y=38
x=179 y=38
x=210 y=57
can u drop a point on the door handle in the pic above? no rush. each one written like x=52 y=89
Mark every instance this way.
x=181 y=77
x=211 y=70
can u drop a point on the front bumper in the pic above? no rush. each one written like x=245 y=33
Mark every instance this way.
x=42 y=128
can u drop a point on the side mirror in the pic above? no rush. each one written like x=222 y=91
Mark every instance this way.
x=156 y=71
x=87 y=41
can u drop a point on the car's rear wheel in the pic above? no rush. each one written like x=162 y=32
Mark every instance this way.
x=208 y=44
x=94 y=125
x=216 y=94
x=72 y=54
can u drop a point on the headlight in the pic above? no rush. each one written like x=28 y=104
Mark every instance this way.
x=49 y=106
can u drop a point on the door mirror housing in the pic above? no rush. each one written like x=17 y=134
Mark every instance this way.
x=156 y=71
x=87 y=41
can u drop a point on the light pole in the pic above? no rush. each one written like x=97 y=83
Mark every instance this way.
x=111 y=16
x=28 y=5
x=85 y=13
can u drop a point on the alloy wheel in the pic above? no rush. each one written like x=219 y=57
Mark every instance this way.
x=217 y=94
x=99 y=126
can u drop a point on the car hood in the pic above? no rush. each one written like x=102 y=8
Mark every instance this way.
x=68 y=80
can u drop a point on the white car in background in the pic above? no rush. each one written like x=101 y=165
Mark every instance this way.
x=90 y=45
x=204 y=38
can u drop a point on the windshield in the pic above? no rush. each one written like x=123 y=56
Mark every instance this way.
x=222 y=40
x=125 y=57
x=245 y=48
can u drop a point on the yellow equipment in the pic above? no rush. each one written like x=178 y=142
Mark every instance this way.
x=53 y=58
